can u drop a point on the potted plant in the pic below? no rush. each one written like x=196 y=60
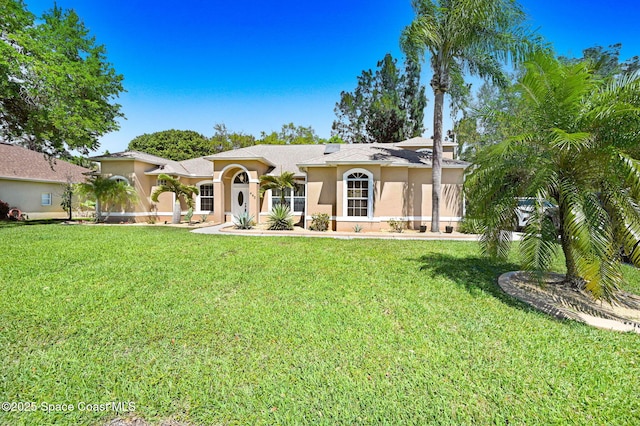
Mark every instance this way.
x=448 y=229
x=423 y=227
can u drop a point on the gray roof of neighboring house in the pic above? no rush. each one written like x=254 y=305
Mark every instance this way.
x=21 y=163
x=195 y=167
x=387 y=154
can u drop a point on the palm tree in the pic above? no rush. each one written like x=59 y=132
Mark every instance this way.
x=186 y=192
x=574 y=151
x=282 y=182
x=473 y=36
x=108 y=193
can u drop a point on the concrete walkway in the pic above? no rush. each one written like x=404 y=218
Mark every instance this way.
x=228 y=229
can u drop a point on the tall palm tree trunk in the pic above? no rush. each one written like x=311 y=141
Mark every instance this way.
x=177 y=210
x=437 y=156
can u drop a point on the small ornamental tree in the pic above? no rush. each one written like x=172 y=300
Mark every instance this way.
x=67 y=199
x=281 y=183
x=576 y=150
x=107 y=194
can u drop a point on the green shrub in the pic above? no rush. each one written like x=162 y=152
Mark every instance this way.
x=189 y=215
x=357 y=229
x=280 y=218
x=319 y=222
x=203 y=218
x=4 y=210
x=398 y=225
x=243 y=221
x=470 y=226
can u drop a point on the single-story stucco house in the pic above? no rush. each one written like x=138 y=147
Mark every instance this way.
x=34 y=184
x=363 y=184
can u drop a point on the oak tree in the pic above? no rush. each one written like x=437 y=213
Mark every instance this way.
x=57 y=89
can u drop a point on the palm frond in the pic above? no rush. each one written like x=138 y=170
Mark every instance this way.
x=186 y=192
x=282 y=182
x=574 y=142
x=625 y=213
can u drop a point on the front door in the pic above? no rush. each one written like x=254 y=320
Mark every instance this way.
x=240 y=194
x=239 y=199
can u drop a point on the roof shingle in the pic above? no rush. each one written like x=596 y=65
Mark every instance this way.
x=17 y=162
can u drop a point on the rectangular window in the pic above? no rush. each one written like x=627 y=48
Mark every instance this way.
x=276 y=197
x=206 y=197
x=45 y=200
x=295 y=198
x=161 y=182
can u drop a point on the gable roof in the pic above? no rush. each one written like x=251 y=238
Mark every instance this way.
x=19 y=163
x=195 y=167
x=133 y=155
x=422 y=142
x=282 y=158
x=294 y=158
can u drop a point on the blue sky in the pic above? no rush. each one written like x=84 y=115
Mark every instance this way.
x=256 y=65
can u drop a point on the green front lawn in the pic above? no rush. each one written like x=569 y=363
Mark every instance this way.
x=248 y=330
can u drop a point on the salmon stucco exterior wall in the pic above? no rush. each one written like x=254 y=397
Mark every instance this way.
x=392 y=182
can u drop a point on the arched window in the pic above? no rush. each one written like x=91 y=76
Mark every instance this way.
x=358 y=193
x=241 y=178
x=118 y=178
x=204 y=201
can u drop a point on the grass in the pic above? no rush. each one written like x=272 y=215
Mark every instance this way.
x=247 y=330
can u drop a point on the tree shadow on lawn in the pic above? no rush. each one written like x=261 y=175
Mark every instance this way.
x=28 y=222
x=476 y=274
x=14 y=223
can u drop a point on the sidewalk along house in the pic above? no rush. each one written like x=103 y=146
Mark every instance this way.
x=34 y=184
x=364 y=184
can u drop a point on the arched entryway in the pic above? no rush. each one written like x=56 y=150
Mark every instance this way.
x=240 y=193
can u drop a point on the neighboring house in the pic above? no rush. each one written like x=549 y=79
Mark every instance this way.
x=364 y=184
x=34 y=184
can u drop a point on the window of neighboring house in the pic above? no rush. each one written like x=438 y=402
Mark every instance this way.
x=359 y=192
x=161 y=182
x=45 y=199
x=205 y=199
x=292 y=197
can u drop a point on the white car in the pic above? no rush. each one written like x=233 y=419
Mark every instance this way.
x=525 y=209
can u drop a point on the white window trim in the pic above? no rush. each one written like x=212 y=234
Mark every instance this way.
x=304 y=185
x=198 y=207
x=369 y=199
x=240 y=166
x=49 y=197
